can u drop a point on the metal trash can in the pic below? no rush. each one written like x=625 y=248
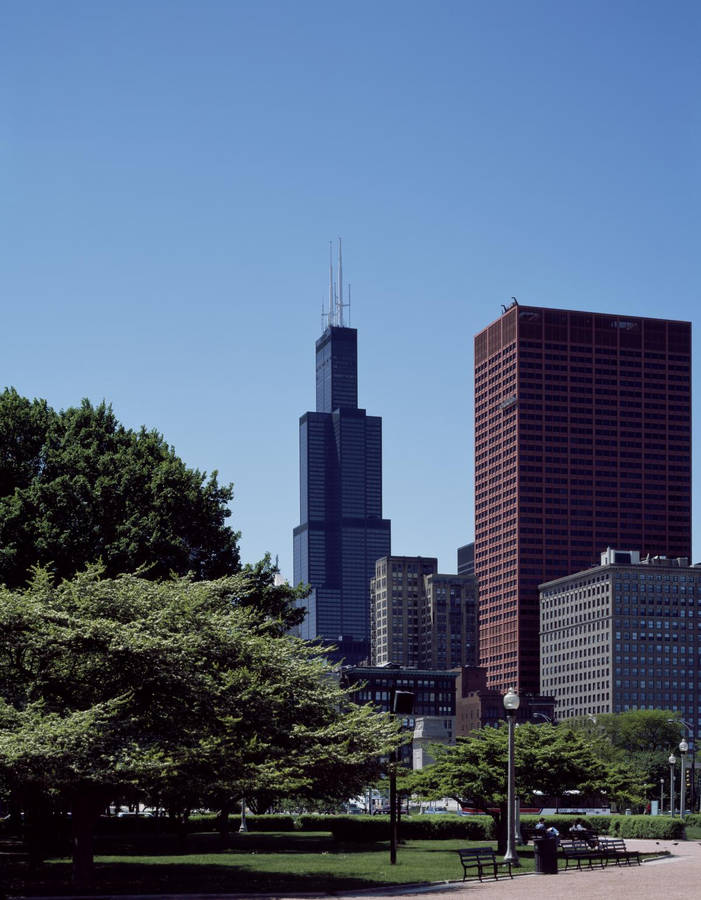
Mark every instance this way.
x=545 y=852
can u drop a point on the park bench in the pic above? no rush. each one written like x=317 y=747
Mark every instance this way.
x=481 y=861
x=584 y=834
x=615 y=849
x=578 y=851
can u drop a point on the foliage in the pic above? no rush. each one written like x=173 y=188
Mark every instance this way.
x=642 y=738
x=76 y=487
x=171 y=692
x=550 y=759
x=366 y=829
x=658 y=827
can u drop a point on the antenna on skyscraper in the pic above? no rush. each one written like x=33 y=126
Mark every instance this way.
x=336 y=304
x=349 y=302
x=340 y=284
x=330 y=319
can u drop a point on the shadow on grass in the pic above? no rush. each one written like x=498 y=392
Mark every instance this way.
x=137 y=878
x=281 y=863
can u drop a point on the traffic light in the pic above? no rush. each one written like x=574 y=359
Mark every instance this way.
x=687 y=777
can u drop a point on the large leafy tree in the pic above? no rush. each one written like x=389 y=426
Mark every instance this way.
x=641 y=737
x=180 y=690
x=76 y=487
x=549 y=759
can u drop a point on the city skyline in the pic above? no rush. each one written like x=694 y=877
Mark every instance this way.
x=171 y=176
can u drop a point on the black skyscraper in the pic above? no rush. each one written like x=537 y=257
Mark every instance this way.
x=341 y=532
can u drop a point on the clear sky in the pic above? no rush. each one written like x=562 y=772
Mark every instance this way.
x=171 y=174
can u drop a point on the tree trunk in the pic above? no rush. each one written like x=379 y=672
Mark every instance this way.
x=500 y=822
x=84 y=814
x=223 y=824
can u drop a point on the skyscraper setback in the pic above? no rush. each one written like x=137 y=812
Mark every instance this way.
x=582 y=442
x=341 y=532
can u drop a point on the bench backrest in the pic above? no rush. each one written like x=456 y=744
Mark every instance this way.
x=573 y=844
x=476 y=851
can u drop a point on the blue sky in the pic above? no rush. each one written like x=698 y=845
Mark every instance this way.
x=171 y=174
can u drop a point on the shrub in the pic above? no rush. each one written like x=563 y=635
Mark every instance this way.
x=370 y=829
x=659 y=827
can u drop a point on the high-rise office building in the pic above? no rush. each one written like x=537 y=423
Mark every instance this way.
x=420 y=617
x=397 y=601
x=341 y=532
x=582 y=442
x=466 y=559
x=623 y=635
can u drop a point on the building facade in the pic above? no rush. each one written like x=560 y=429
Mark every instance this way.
x=476 y=706
x=341 y=532
x=625 y=634
x=397 y=614
x=466 y=559
x=582 y=441
x=422 y=618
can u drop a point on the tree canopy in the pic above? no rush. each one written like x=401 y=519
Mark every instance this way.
x=76 y=487
x=643 y=738
x=177 y=692
x=548 y=759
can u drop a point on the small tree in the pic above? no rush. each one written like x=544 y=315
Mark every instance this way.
x=550 y=759
x=182 y=690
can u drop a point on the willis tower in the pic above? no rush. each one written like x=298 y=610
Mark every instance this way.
x=341 y=532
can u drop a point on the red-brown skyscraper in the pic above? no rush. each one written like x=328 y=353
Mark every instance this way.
x=582 y=441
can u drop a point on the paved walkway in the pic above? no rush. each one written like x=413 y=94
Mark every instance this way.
x=672 y=878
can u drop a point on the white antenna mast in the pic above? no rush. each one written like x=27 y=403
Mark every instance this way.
x=340 y=284
x=334 y=317
x=331 y=317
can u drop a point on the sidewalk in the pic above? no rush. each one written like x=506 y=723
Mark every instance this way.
x=677 y=877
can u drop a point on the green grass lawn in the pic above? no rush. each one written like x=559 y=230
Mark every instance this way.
x=263 y=862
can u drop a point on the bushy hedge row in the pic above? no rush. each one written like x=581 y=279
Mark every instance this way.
x=369 y=829
x=658 y=827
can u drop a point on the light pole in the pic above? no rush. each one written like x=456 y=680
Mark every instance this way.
x=672 y=760
x=402 y=705
x=683 y=747
x=692 y=738
x=661 y=796
x=511 y=704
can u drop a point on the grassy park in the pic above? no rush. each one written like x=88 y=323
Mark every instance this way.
x=253 y=862
x=134 y=862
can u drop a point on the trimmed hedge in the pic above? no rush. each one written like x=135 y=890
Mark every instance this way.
x=659 y=827
x=372 y=829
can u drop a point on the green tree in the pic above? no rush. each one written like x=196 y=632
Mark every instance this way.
x=643 y=738
x=180 y=690
x=77 y=486
x=550 y=759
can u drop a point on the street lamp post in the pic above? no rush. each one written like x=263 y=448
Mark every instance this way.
x=511 y=704
x=661 y=796
x=672 y=760
x=683 y=747
x=692 y=738
x=402 y=705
